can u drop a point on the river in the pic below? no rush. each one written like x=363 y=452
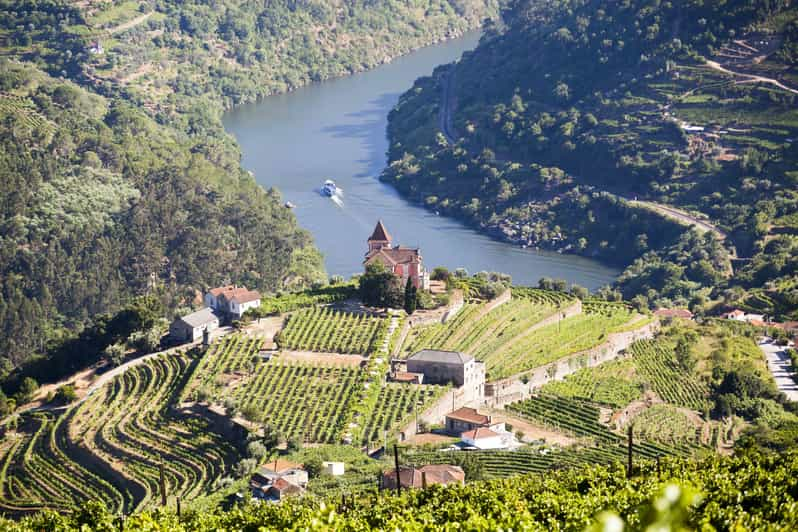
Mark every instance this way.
x=336 y=130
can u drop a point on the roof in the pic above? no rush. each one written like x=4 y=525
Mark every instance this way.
x=469 y=415
x=674 y=313
x=282 y=484
x=202 y=317
x=443 y=357
x=407 y=376
x=411 y=477
x=736 y=312
x=442 y=474
x=380 y=233
x=396 y=255
x=279 y=466
x=479 y=434
x=239 y=294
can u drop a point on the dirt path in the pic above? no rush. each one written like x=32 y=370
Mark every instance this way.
x=532 y=431
x=447 y=107
x=335 y=359
x=130 y=23
x=750 y=78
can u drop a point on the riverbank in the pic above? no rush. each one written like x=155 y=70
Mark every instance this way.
x=340 y=125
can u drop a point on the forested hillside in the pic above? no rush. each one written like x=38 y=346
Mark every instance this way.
x=575 y=125
x=117 y=177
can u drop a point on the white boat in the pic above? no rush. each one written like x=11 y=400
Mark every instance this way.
x=289 y=205
x=330 y=189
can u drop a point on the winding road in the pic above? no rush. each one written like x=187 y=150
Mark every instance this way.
x=779 y=365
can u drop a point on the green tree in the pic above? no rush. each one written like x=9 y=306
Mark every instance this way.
x=27 y=390
x=411 y=297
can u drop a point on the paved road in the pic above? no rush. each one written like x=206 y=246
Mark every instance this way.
x=780 y=366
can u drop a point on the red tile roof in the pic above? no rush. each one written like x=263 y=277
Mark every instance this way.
x=397 y=255
x=479 y=434
x=407 y=376
x=469 y=415
x=380 y=233
x=239 y=294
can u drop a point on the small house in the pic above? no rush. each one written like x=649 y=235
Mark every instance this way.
x=414 y=478
x=444 y=367
x=189 y=328
x=335 y=469
x=232 y=300
x=483 y=439
x=465 y=419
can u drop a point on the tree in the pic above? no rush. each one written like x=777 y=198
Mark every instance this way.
x=411 y=297
x=313 y=466
x=379 y=287
x=66 y=394
x=27 y=390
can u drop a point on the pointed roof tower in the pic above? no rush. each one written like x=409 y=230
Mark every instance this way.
x=380 y=234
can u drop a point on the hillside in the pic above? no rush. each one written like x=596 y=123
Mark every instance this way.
x=745 y=492
x=605 y=129
x=120 y=180
x=316 y=382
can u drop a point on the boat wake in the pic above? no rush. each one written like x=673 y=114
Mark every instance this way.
x=338 y=201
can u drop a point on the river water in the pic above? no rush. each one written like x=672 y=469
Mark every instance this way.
x=336 y=130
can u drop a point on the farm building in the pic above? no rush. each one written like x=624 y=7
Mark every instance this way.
x=466 y=419
x=232 y=300
x=189 y=328
x=444 y=367
x=268 y=484
x=334 y=469
x=413 y=477
x=483 y=439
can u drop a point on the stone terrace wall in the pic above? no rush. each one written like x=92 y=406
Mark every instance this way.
x=505 y=391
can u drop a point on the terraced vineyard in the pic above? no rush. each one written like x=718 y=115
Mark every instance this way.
x=614 y=383
x=108 y=448
x=657 y=365
x=326 y=330
x=298 y=399
x=667 y=424
x=24 y=112
x=506 y=355
x=513 y=337
x=582 y=420
x=311 y=400
x=396 y=407
x=501 y=464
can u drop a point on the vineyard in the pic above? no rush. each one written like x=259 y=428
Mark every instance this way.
x=667 y=424
x=309 y=400
x=657 y=365
x=749 y=491
x=326 y=330
x=513 y=337
x=109 y=447
x=24 y=112
x=614 y=383
x=582 y=420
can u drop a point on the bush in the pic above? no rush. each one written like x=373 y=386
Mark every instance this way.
x=66 y=394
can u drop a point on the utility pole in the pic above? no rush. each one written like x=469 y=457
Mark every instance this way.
x=630 y=450
x=162 y=482
x=396 y=464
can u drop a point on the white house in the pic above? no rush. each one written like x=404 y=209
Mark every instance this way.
x=483 y=438
x=189 y=328
x=333 y=468
x=233 y=300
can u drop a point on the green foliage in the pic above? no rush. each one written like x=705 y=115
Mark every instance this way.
x=327 y=330
x=750 y=491
x=582 y=117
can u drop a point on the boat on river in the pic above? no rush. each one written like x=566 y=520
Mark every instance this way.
x=330 y=189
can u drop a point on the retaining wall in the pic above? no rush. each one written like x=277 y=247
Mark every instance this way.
x=504 y=391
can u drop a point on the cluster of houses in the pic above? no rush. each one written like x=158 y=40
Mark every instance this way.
x=222 y=304
x=280 y=479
